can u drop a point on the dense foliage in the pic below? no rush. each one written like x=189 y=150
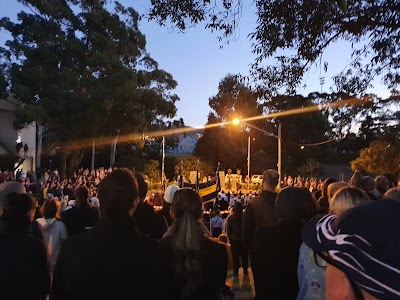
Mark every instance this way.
x=296 y=33
x=80 y=68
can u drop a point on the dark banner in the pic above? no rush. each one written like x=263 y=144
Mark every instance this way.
x=207 y=190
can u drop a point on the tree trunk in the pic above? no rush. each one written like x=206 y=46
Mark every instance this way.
x=74 y=161
x=39 y=148
x=93 y=154
x=63 y=161
x=113 y=151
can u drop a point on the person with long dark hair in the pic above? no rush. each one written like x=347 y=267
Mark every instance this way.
x=198 y=264
x=235 y=235
x=81 y=216
x=24 y=272
x=276 y=247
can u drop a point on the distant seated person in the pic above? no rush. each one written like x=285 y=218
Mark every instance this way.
x=81 y=216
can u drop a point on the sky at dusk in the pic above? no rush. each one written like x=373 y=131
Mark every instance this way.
x=197 y=62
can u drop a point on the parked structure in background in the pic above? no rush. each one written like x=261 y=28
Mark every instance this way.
x=10 y=137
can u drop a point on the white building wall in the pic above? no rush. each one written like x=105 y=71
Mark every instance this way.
x=9 y=135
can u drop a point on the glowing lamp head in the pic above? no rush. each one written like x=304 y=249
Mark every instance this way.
x=302 y=147
x=236 y=121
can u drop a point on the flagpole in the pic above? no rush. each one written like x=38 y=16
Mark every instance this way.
x=197 y=175
x=163 y=164
x=180 y=183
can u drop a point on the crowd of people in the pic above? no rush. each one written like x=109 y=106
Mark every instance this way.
x=99 y=236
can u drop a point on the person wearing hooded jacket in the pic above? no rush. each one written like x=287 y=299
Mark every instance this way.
x=54 y=231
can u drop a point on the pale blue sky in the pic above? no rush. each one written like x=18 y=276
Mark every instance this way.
x=197 y=63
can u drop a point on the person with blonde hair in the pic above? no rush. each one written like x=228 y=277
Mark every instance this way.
x=393 y=193
x=334 y=187
x=311 y=268
x=346 y=198
x=356 y=179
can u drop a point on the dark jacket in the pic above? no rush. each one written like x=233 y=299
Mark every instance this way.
x=24 y=269
x=114 y=260
x=79 y=218
x=275 y=254
x=150 y=222
x=260 y=211
x=165 y=211
x=234 y=228
x=213 y=258
x=222 y=205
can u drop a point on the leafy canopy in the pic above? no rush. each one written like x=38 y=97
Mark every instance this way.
x=381 y=157
x=302 y=31
x=81 y=68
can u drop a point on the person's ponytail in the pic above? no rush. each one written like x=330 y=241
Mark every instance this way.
x=187 y=207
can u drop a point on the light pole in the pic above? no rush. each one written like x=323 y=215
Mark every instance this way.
x=279 y=154
x=248 y=164
x=278 y=137
x=163 y=164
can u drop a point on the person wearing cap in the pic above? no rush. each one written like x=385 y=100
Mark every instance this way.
x=311 y=268
x=167 y=201
x=149 y=221
x=114 y=259
x=361 y=248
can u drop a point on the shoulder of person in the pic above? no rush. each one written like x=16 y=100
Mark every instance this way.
x=220 y=249
x=35 y=245
x=216 y=244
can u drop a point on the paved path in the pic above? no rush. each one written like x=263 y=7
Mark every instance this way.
x=242 y=285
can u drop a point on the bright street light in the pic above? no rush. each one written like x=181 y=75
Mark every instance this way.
x=236 y=121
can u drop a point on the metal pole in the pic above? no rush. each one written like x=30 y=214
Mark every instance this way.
x=39 y=149
x=279 y=154
x=181 y=174
x=248 y=164
x=93 y=153
x=197 y=175
x=162 y=163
